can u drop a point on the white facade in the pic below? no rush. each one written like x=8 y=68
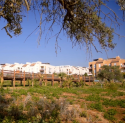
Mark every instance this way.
x=45 y=68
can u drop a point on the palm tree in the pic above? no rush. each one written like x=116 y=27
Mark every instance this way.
x=61 y=76
x=69 y=81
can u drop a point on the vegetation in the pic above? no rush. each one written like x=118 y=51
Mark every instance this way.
x=62 y=75
x=110 y=114
x=52 y=104
x=124 y=75
x=110 y=73
x=82 y=21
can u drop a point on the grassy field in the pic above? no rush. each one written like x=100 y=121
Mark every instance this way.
x=52 y=104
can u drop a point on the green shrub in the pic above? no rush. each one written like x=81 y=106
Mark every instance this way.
x=110 y=102
x=98 y=106
x=121 y=103
x=93 y=97
x=114 y=103
x=112 y=86
x=110 y=114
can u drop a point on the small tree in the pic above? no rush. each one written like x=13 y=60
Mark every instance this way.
x=68 y=81
x=61 y=76
x=85 y=74
x=110 y=73
x=85 y=77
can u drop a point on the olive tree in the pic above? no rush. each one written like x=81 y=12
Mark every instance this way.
x=110 y=73
x=83 y=21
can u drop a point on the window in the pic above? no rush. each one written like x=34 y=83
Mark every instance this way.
x=99 y=70
x=94 y=66
x=99 y=65
x=114 y=64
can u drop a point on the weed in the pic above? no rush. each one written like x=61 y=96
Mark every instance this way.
x=93 y=97
x=14 y=111
x=15 y=94
x=82 y=105
x=55 y=95
x=70 y=101
x=112 y=86
x=110 y=102
x=20 y=106
x=121 y=103
x=97 y=116
x=83 y=114
x=98 y=106
x=35 y=98
x=110 y=114
x=75 y=121
x=22 y=92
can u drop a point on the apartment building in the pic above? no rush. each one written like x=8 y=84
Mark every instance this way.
x=45 y=68
x=95 y=65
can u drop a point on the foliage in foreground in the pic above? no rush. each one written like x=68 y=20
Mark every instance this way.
x=42 y=110
x=82 y=20
x=49 y=103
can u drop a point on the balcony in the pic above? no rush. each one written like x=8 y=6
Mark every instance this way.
x=90 y=67
x=42 y=70
x=70 y=72
x=123 y=66
x=89 y=73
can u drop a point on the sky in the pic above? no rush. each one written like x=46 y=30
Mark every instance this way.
x=18 y=50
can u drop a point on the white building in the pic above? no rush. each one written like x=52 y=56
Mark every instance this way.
x=45 y=68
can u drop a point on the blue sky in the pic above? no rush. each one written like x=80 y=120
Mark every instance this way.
x=17 y=50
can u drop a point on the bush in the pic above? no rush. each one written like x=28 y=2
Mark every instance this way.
x=110 y=114
x=110 y=102
x=98 y=106
x=112 y=86
x=92 y=97
x=83 y=114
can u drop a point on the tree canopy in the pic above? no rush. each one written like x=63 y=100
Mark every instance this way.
x=110 y=73
x=82 y=20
